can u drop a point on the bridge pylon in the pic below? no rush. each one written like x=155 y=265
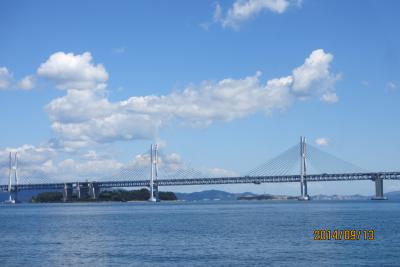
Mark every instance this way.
x=303 y=170
x=13 y=168
x=153 y=173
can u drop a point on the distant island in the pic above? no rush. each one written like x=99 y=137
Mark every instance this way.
x=109 y=195
x=42 y=196
x=226 y=196
x=268 y=197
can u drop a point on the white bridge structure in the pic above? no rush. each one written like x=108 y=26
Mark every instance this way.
x=310 y=163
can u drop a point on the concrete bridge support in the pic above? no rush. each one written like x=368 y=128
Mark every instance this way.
x=378 y=189
x=153 y=173
x=78 y=191
x=67 y=192
x=156 y=194
x=93 y=190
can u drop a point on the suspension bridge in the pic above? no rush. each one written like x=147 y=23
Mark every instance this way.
x=302 y=163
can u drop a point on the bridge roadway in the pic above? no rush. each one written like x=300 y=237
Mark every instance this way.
x=374 y=176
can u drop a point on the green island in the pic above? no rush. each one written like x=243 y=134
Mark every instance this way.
x=268 y=197
x=109 y=195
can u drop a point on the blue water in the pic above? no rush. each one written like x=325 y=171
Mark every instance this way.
x=197 y=234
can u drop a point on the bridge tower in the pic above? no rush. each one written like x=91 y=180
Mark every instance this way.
x=16 y=178
x=303 y=170
x=153 y=173
x=10 y=198
x=13 y=168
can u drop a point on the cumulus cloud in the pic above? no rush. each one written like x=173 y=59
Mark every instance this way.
x=7 y=81
x=168 y=164
x=38 y=164
x=33 y=161
x=391 y=86
x=243 y=10
x=33 y=154
x=330 y=97
x=314 y=74
x=219 y=172
x=27 y=83
x=224 y=100
x=322 y=141
x=43 y=164
x=82 y=118
x=95 y=169
x=5 y=78
x=85 y=116
x=71 y=71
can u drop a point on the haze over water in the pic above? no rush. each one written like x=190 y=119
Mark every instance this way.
x=197 y=234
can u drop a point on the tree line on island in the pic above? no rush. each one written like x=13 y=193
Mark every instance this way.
x=108 y=195
x=206 y=195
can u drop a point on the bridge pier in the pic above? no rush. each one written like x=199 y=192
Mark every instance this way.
x=153 y=173
x=67 y=192
x=78 y=190
x=16 y=193
x=378 y=189
x=93 y=190
x=156 y=193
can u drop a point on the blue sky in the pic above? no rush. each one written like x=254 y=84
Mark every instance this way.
x=72 y=116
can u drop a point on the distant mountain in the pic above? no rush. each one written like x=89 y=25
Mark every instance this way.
x=222 y=195
x=211 y=195
x=268 y=197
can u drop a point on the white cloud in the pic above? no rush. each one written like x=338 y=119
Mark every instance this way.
x=217 y=12
x=330 y=97
x=5 y=78
x=243 y=10
x=91 y=154
x=27 y=83
x=40 y=166
x=33 y=161
x=80 y=106
x=95 y=169
x=314 y=74
x=322 y=141
x=219 y=172
x=71 y=71
x=86 y=116
x=33 y=154
x=224 y=100
x=391 y=86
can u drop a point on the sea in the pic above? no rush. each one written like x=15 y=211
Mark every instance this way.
x=207 y=233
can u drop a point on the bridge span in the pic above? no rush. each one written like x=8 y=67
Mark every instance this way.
x=93 y=188
x=86 y=186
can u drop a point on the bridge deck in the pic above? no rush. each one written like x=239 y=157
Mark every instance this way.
x=218 y=180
